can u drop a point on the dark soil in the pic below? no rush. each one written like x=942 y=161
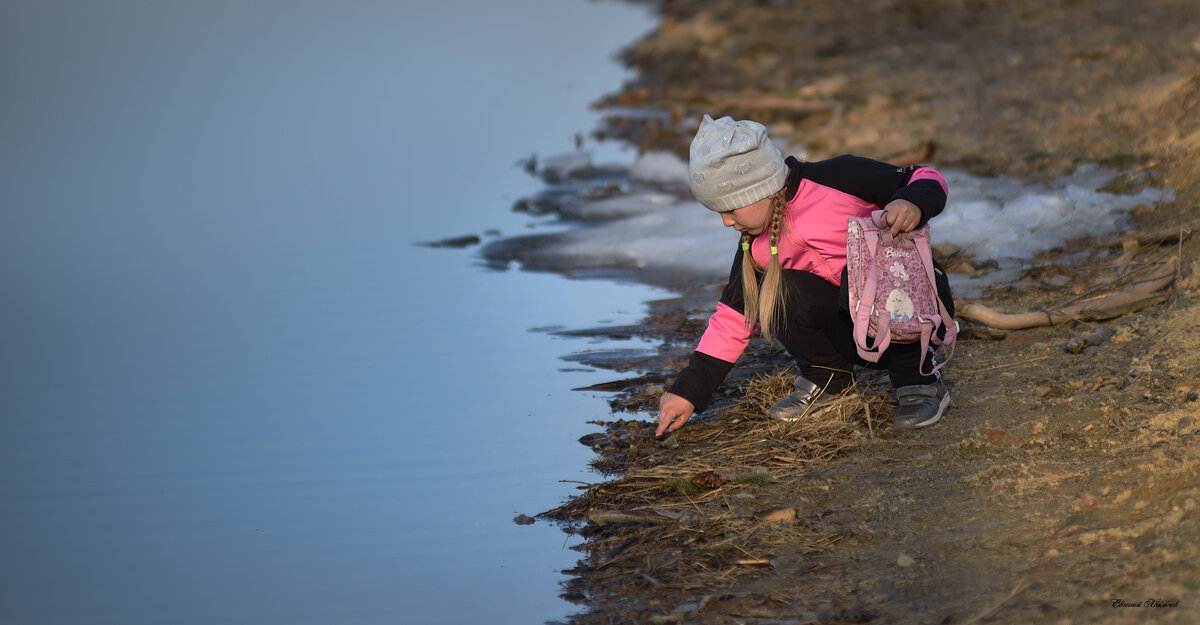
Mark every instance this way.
x=1062 y=485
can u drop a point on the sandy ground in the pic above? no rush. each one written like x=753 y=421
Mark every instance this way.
x=1061 y=487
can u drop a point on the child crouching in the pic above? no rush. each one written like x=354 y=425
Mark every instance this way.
x=788 y=274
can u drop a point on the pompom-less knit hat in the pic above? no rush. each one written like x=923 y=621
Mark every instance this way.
x=733 y=164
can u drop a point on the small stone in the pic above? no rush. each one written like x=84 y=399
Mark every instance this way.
x=1077 y=345
x=1141 y=210
x=961 y=266
x=595 y=439
x=670 y=442
x=777 y=515
x=709 y=480
x=905 y=561
x=684 y=608
x=523 y=519
x=1193 y=395
x=1042 y=391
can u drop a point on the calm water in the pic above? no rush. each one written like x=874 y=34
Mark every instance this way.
x=232 y=390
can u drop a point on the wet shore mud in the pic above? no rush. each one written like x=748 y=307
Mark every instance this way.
x=1062 y=485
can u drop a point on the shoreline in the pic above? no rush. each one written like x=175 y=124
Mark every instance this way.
x=1060 y=481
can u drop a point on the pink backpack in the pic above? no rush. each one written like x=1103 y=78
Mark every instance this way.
x=893 y=295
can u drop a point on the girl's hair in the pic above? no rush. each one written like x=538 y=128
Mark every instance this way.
x=765 y=305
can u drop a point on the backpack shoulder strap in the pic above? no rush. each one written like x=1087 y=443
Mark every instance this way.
x=864 y=308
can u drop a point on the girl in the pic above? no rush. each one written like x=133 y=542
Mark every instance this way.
x=788 y=274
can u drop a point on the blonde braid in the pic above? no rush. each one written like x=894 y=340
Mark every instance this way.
x=771 y=300
x=749 y=282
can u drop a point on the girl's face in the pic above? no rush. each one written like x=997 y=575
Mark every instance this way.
x=752 y=219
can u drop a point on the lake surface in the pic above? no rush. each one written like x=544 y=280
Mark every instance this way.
x=232 y=388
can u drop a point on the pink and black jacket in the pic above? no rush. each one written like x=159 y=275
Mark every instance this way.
x=821 y=197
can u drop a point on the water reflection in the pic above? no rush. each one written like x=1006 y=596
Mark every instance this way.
x=231 y=388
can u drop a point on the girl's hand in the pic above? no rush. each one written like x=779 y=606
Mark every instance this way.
x=673 y=412
x=902 y=216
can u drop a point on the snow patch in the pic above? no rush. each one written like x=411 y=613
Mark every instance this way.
x=657 y=229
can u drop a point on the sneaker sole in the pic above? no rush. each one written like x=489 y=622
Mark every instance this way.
x=934 y=419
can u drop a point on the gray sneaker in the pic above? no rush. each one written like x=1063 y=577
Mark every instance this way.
x=920 y=405
x=808 y=398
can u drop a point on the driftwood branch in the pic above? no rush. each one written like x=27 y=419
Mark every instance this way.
x=1138 y=295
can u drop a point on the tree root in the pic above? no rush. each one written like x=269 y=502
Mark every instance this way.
x=1138 y=295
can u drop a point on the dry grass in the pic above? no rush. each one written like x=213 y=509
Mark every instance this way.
x=740 y=441
x=683 y=515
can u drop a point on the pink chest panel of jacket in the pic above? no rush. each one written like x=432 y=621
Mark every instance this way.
x=814 y=233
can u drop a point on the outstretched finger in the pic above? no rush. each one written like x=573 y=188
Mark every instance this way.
x=663 y=422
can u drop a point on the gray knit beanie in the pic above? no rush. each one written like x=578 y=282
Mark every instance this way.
x=733 y=164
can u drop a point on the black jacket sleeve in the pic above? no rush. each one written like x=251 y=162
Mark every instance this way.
x=699 y=380
x=874 y=181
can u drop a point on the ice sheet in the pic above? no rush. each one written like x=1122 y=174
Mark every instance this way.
x=656 y=228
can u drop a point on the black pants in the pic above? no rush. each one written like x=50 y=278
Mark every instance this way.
x=819 y=333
